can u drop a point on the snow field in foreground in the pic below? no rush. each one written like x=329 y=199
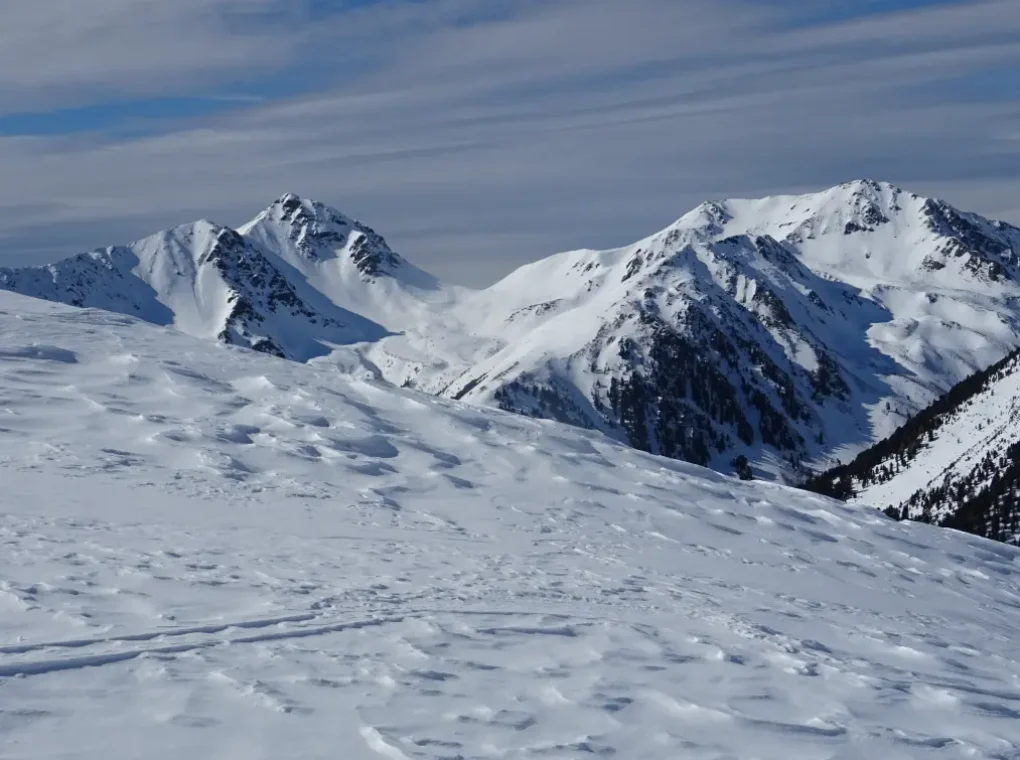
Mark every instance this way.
x=210 y=553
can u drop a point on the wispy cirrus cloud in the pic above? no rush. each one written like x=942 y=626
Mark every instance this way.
x=63 y=52
x=478 y=135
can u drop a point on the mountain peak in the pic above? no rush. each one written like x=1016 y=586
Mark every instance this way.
x=869 y=185
x=295 y=209
x=307 y=232
x=865 y=228
x=846 y=198
x=292 y=202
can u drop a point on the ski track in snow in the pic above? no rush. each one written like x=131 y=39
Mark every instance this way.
x=212 y=553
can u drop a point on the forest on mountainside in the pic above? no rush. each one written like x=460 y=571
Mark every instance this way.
x=985 y=500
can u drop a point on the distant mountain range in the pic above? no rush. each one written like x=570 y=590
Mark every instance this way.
x=766 y=336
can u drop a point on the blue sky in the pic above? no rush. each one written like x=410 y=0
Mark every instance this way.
x=479 y=135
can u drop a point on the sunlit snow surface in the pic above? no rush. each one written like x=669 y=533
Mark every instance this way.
x=207 y=553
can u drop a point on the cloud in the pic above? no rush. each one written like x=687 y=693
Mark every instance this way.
x=477 y=136
x=65 y=52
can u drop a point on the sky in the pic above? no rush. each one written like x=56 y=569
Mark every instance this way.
x=478 y=135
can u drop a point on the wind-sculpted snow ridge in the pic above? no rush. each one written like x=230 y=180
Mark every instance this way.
x=207 y=552
x=768 y=336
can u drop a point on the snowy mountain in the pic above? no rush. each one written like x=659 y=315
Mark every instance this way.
x=205 y=280
x=353 y=266
x=343 y=259
x=766 y=336
x=209 y=552
x=957 y=463
x=790 y=330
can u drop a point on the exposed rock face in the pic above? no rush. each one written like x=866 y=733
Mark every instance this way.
x=319 y=233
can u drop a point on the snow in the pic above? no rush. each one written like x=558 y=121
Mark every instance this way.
x=844 y=311
x=209 y=552
x=943 y=323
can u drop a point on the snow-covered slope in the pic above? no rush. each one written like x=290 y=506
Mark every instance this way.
x=207 y=281
x=207 y=552
x=785 y=332
x=957 y=463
